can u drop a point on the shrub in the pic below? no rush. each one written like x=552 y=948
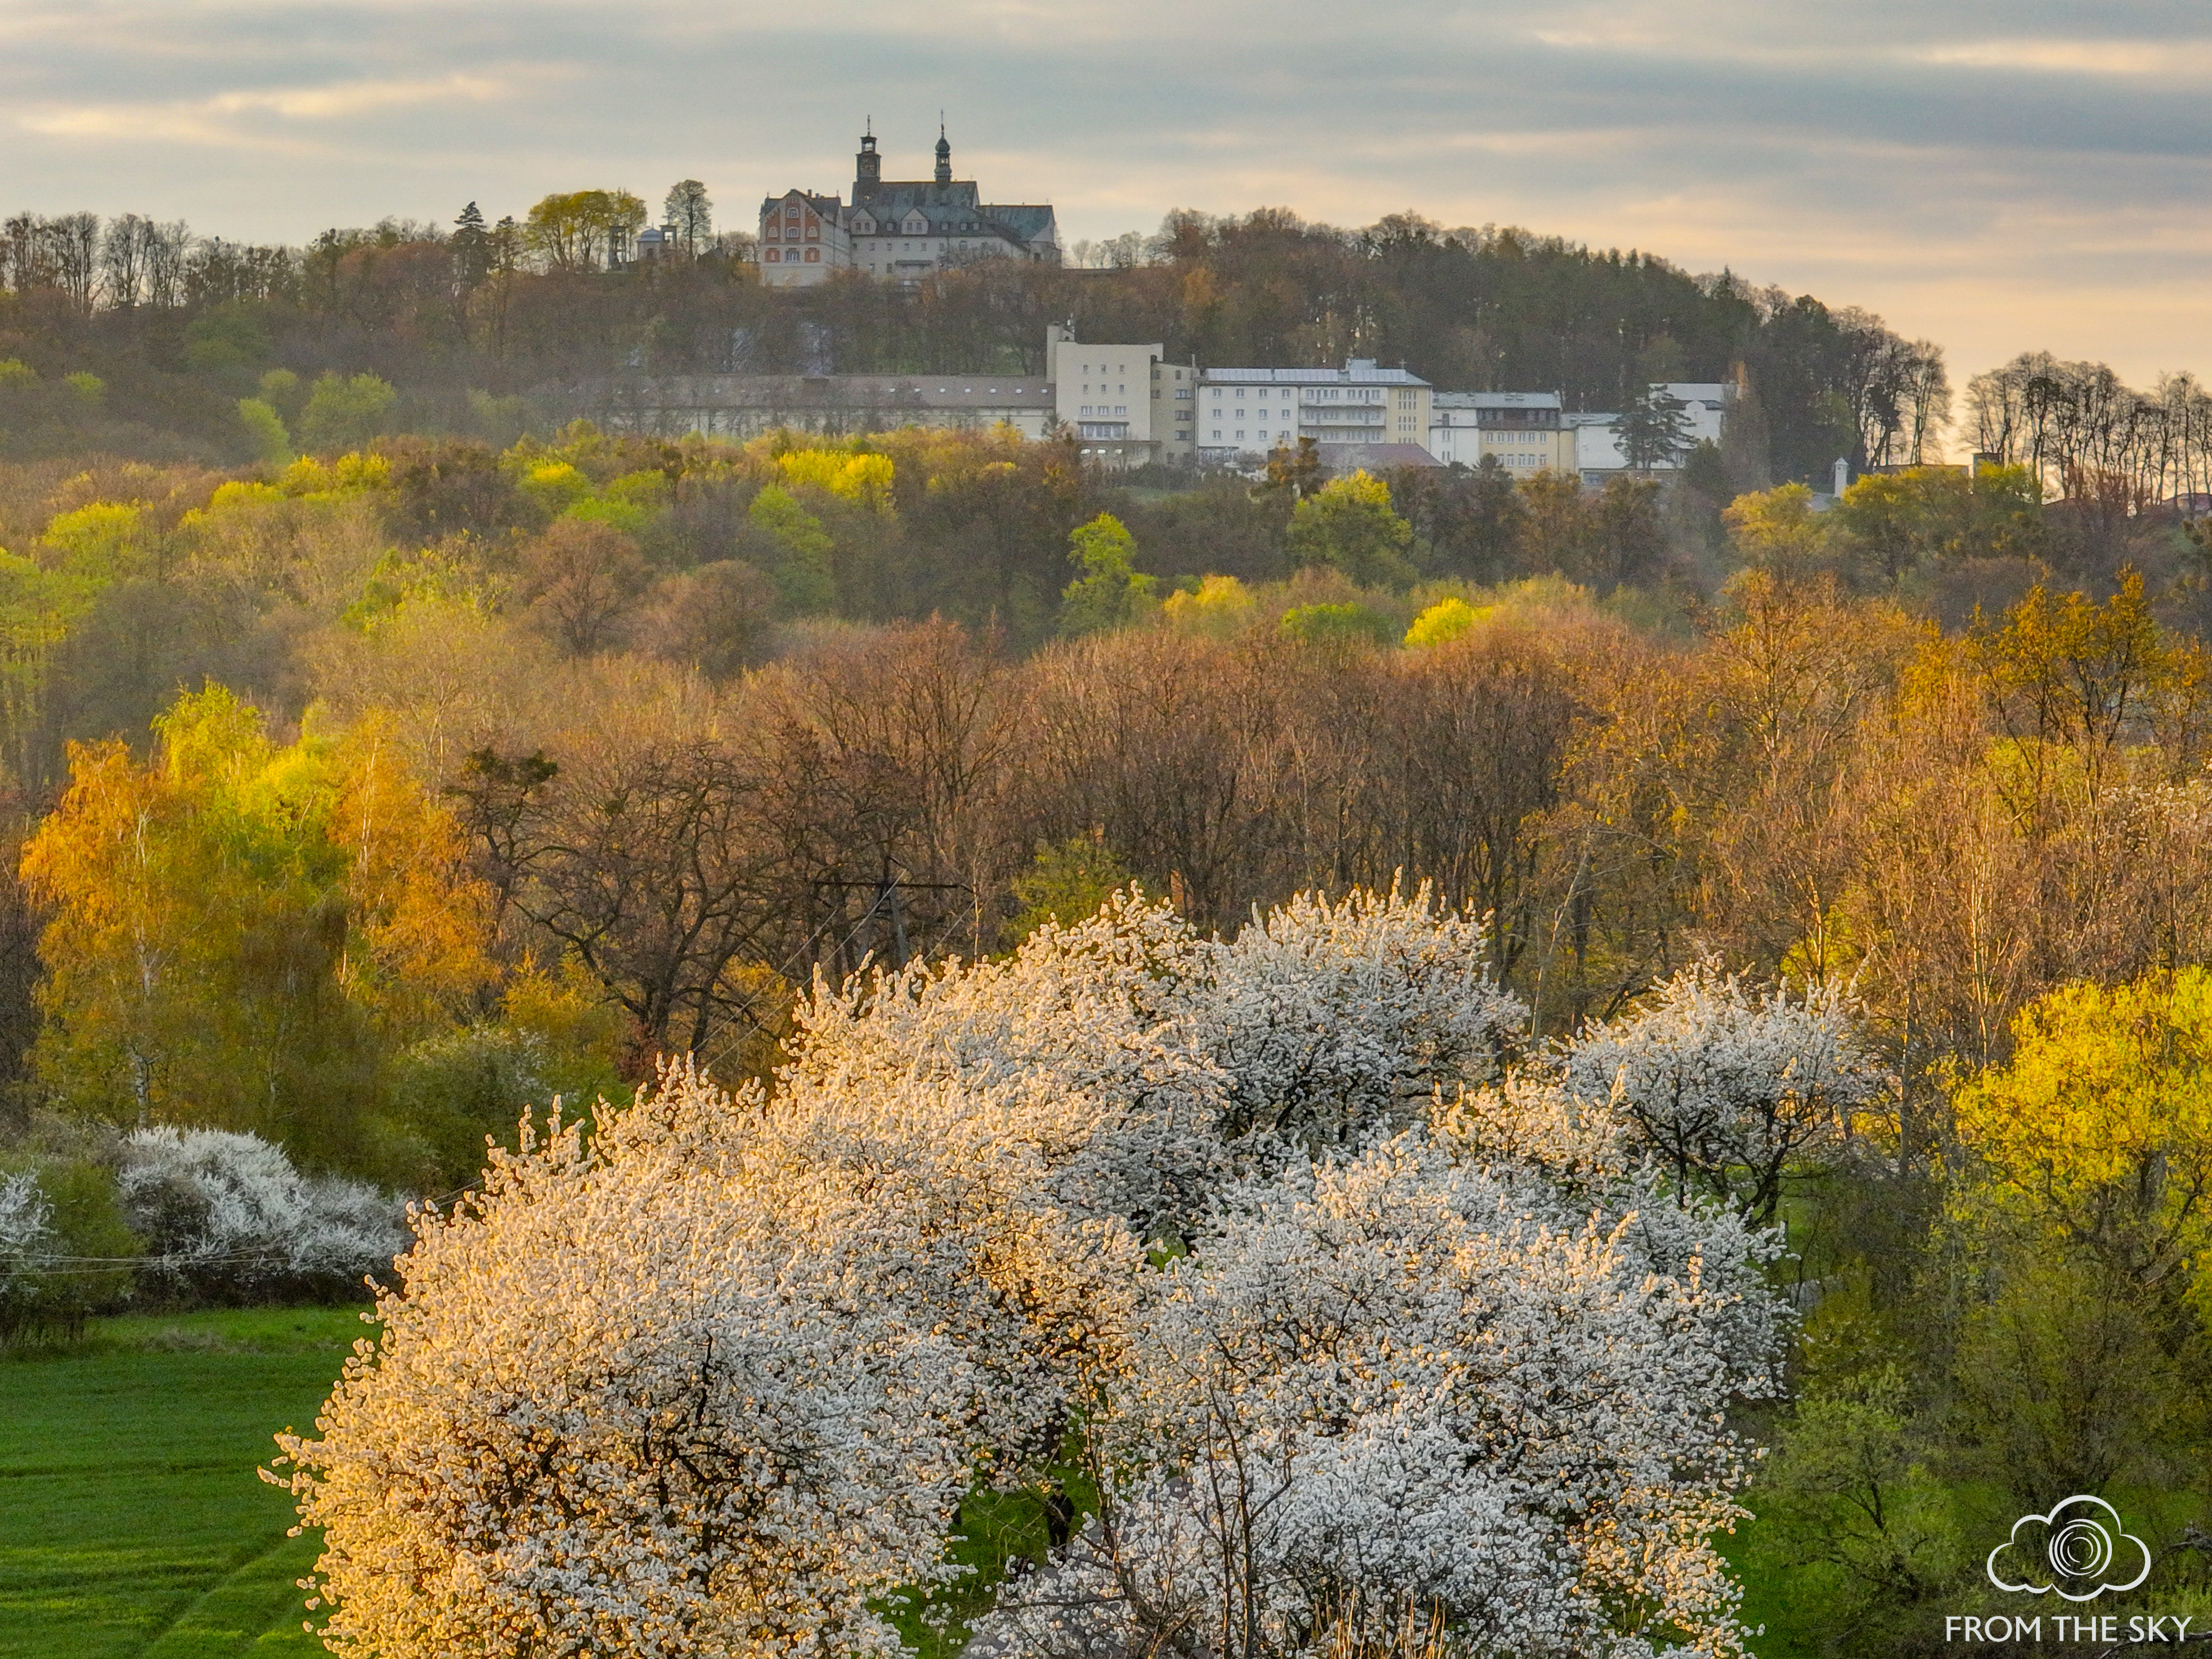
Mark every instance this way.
x=226 y=1217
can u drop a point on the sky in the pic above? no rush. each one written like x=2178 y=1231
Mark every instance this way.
x=1995 y=177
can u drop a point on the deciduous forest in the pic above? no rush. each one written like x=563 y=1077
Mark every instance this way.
x=388 y=750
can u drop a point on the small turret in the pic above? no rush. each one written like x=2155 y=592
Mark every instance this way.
x=944 y=156
x=867 y=165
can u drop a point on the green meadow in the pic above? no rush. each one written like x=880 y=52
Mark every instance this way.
x=132 y=1524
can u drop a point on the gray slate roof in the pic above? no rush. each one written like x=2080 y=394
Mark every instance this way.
x=953 y=210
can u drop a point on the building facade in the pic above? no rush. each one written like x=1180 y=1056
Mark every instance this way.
x=740 y=406
x=898 y=229
x=1120 y=403
x=1598 y=453
x=1525 y=432
x=1245 y=412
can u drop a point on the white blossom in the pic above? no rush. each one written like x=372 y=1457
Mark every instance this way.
x=716 y=1382
x=1335 y=1019
x=1407 y=1377
x=226 y=1212
x=25 y=1217
x=1726 y=1089
x=712 y=1383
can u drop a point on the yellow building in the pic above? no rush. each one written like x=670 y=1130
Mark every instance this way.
x=1525 y=431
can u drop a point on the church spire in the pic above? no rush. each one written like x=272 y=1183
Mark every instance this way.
x=944 y=152
x=867 y=165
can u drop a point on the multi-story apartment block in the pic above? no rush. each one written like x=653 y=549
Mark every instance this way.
x=1526 y=431
x=1124 y=403
x=898 y=229
x=1242 y=411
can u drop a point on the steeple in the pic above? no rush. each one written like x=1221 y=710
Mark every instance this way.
x=867 y=165
x=944 y=154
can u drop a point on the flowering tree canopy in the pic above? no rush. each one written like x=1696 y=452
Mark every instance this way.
x=1725 y=1088
x=1412 y=1330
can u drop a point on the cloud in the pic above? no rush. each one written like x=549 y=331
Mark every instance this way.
x=2182 y=61
x=1995 y=175
x=213 y=120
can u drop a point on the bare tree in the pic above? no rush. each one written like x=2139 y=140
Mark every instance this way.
x=691 y=212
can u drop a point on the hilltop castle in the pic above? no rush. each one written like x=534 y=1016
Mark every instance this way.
x=897 y=229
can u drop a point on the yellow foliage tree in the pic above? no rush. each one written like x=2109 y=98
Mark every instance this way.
x=240 y=931
x=1777 y=530
x=863 y=478
x=2099 y=1129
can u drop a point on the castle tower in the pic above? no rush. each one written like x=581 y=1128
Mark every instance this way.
x=867 y=166
x=944 y=156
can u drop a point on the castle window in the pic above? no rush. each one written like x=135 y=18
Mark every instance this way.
x=773 y=256
x=813 y=254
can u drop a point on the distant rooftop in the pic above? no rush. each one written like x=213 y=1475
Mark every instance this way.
x=1360 y=371
x=1496 y=400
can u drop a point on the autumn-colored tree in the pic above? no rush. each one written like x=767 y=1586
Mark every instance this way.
x=239 y=930
x=582 y=579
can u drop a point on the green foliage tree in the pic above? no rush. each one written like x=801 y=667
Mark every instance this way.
x=345 y=412
x=1350 y=526
x=803 y=583
x=266 y=428
x=1067 y=882
x=471 y=246
x=1336 y=624
x=1108 y=594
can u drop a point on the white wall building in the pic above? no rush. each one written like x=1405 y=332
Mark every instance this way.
x=739 y=406
x=1248 y=411
x=1597 y=437
x=1124 y=403
x=1524 y=431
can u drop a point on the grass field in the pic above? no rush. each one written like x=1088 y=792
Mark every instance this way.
x=131 y=1521
x=132 y=1525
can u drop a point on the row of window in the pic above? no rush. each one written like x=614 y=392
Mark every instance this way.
x=1117 y=408
x=1322 y=394
x=773 y=256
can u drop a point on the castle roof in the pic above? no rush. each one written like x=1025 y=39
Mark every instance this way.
x=951 y=209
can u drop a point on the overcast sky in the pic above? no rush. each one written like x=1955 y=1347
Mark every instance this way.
x=1995 y=177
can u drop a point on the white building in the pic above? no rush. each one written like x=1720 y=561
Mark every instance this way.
x=899 y=230
x=1598 y=453
x=1526 y=432
x=1124 y=405
x=1248 y=411
x=739 y=406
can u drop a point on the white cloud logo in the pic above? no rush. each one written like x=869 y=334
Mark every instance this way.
x=2082 y=1542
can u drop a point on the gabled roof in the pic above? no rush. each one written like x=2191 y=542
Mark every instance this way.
x=1375 y=458
x=826 y=206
